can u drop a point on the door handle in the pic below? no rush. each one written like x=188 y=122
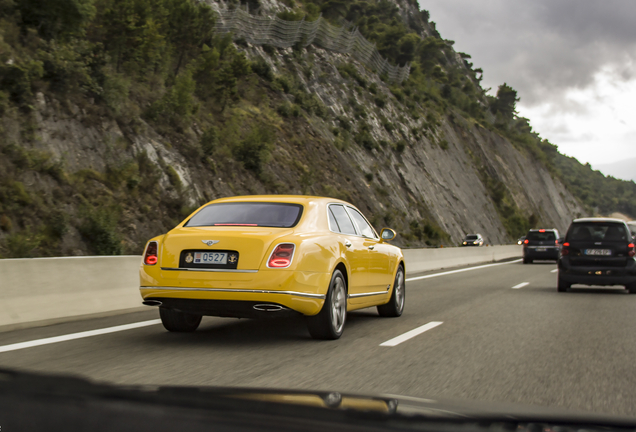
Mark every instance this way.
x=371 y=247
x=347 y=243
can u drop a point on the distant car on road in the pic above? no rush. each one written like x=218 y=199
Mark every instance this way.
x=632 y=227
x=473 y=240
x=541 y=244
x=597 y=251
x=521 y=239
x=273 y=255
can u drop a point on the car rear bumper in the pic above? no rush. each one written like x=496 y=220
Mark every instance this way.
x=597 y=275
x=303 y=292
x=550 y=253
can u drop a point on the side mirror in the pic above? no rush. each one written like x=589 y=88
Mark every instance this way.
x=387 y=234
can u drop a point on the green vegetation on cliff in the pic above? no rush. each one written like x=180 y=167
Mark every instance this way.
x=157 y=64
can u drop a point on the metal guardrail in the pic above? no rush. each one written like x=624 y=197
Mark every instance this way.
x=262 y=30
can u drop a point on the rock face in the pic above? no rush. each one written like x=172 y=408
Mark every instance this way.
x=411 y=172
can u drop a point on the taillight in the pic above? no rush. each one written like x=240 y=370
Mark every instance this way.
x=556 y=242
x=150 y=257
x=541 y=230
x=282 y=256
x=632 y=251
x=564 y=249
x=526 y=241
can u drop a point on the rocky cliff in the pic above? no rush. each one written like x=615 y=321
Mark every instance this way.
x=76 y=179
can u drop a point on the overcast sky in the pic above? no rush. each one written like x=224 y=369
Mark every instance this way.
x=573 y=63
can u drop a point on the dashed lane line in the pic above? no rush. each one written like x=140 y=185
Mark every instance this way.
x=460 y=270
x=80 y=335
x=554 y=271
x=411 y=334
x=521 y=285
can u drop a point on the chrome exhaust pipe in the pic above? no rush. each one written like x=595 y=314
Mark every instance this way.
x=268 y=307
x=152 y=302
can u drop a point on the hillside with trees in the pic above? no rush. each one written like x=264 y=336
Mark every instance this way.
x=119 y=117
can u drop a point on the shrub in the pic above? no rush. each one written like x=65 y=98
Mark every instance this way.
x=262 y=69
x=22 y=244
x=99 y=229
x=254 y=151
x=209 y=140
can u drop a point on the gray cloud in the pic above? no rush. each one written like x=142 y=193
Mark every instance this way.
x=542 y=48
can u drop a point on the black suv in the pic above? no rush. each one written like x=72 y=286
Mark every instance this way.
x=541 y=244
x=598 y=251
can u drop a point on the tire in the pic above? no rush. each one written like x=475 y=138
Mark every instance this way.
x=527 y=261
x=395 y=306
x=176 y=321
x=631 y=288
x=329 y=323
x=562 y=286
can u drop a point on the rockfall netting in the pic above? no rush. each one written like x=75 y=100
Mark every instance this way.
x=262 y=30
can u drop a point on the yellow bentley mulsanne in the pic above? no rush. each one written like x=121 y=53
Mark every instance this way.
x=272 y=255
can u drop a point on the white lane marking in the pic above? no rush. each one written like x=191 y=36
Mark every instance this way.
x=80 y=335
x=521 y=285
x=411 y=334
x=554 y=271
x=460 y=270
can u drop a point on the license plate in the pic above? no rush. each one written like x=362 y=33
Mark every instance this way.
x=598 y=252
x=210 y=258
x=541 y=249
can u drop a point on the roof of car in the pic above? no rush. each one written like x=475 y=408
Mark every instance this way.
x=296 y=199
x=543 y=229
x=598 y=219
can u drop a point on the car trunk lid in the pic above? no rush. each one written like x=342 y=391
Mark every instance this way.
x=251 y=243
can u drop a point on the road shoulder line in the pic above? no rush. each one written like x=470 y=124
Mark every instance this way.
x=460 y=270
x=80 y=335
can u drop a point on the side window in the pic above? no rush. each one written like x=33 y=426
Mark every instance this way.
x=333 y=225
x=361 y=222
x=342 y=219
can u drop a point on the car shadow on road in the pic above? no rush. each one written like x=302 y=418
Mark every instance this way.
x=582 y=290
x=246 y=332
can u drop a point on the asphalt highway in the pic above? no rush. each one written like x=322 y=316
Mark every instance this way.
x=497 y=333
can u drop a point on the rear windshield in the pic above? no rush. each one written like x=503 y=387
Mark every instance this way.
x=632 y=228
x=278 y=215
x=541 y=236
x=597 y=231
x=471 y=237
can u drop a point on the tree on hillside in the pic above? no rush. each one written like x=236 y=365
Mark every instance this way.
x=506 y=102
x=56 y=18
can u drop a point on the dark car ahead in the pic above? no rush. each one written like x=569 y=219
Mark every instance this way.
x=598 y=251
x=541 y=244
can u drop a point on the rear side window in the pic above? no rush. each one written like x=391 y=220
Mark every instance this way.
x=597 y=231
x=541 y=236
x=345 y=225
x=363 y=225
x=277 y=215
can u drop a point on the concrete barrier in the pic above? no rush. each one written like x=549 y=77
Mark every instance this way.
x=49 y=290
x=422 y=260
x=41 y=291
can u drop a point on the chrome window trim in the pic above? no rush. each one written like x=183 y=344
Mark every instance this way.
x=249 y=291
x=208 y=270
x=355 y=227
x=355 y=224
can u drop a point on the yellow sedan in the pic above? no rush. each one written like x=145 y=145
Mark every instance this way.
x=273 y=255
